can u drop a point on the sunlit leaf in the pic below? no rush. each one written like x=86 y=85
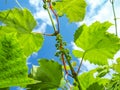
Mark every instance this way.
x=4 y=89
x=74 y=9
x=13 y=69
x=102 y=71
x=116 y=66
x=97 y=45
x=95 y=86
x=88 y=81
x=31 y=42
x=49 y=73
x=114 y=83
x=22 y=22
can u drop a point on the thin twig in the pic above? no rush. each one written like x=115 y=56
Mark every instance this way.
x=54 y=27
x=81 y=63
x=74 y=74
x=115 y=19
x=48 y=34
x=64 y=64
x=56 y=16
x=18 y=4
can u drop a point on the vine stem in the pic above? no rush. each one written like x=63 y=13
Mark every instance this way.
x=18 y=4
x=74 y=74
x=81 y=63
x=115 y=19
x=55 y=16
x=64 y=64
x=54 y=27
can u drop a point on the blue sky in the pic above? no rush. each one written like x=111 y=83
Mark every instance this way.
x=96 y=10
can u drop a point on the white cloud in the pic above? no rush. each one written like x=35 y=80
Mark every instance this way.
x=37 y=4
x=89 y=65
x=102 y=13
x=75 y=47
x=41 y=28
x=40 y=14
x=93 y=5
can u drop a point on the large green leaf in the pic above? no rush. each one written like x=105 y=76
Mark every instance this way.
x=88 y=81
x=49 y=73
x=4 y=89
x=114 y=83
x=116 y=66
x=31 y=42
x=97 y=45
x=73 y=9
x=95 y=86
x=22 y=22
x=102 y=71
x=13 y=69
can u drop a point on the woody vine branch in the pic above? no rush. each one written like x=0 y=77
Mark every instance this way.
x=62 y=52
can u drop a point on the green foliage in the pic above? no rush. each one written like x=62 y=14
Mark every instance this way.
x=86 y=79
x=18 y=19
x=60 y=46
x=4 y=88
x=114 y=83
x=13 y=69
x=74 y=9
x=102 y=71
x=22 y=22
x=95 y=86
x=49 y=73
x=89 y=81
x=116 y=66
x=97 y=45
x=18 y=41
x=31 y=42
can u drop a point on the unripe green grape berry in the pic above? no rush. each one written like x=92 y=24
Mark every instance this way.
x=45 y=6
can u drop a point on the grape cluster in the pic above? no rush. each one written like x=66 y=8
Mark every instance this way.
x=60 y=46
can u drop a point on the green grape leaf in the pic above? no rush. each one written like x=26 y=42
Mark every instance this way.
x=13 y=69
x=97 y=45
x=118 y=60
x=74 y=9
x=114 y=83
x=63 y=83
x=95 y=86
x=22 y=22
x=31 y=42
x=49 y=73
x=116 y=66
x=4 y=89
x=88 y=80
x=102 y=73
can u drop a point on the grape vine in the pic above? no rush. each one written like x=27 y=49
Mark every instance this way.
x=97 y=45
